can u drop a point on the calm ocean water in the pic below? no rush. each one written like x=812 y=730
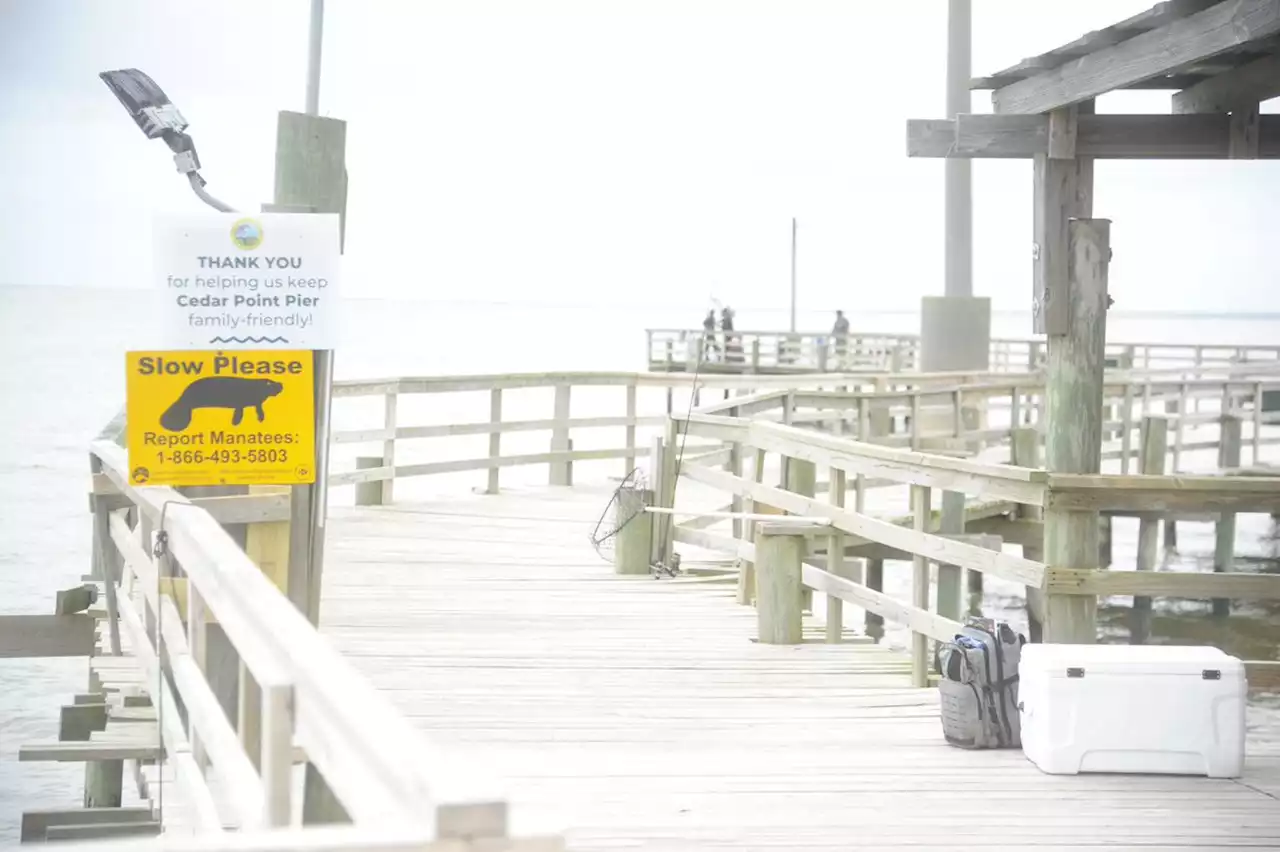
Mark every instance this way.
x=63 y=379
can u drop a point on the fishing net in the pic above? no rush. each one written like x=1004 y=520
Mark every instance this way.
x=609 y=523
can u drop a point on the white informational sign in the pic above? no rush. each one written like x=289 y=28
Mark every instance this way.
x=248 y=281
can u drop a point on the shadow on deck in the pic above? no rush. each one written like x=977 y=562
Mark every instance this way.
x=639 y=713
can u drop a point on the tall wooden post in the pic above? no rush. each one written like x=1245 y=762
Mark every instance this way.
x=1073 y=437
x=950 y=585
x=1224 y=546
x=1026 y=453
x=311 y=177
x=920 y=512
x=802 y=478
x=1153 y=445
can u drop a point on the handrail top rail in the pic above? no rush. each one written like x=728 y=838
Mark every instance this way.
x=515 y=381
x=915 y=336
x=281 y=647
x=911 y=458
x=1184 y=483
x=875 y=452
x=806 y=382
x=853 y=333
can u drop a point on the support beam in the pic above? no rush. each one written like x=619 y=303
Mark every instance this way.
x=23 y=636
x=1161 y=51
x=1244 y=140
x=1063 y=189
x=1253 y=83
x=1073 y=439
x=1107 y=137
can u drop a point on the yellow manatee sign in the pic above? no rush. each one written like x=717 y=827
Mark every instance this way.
x=220 y=418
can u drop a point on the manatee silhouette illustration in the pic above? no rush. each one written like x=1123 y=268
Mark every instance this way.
x=220 y=392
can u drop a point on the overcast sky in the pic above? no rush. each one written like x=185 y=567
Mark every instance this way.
x=595 y=150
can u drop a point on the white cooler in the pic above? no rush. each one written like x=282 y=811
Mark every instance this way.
x=1132 y=708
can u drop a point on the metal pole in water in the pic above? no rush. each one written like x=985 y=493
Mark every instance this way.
x=313 y=57
x=958 y=174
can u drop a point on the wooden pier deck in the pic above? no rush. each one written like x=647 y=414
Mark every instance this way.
x=482 y=678
x=635 y=713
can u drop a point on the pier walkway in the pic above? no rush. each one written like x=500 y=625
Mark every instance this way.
x=641 y=714
x=482 y=674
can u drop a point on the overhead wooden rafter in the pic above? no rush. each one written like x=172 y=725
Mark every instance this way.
x=1116 y=137
x=1253 y=83
x=1191 y=40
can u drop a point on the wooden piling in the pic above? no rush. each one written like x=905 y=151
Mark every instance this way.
x=920 y=509
x=310 y=172
x=634 y=531
x=950 y=587
x=779 y=550
x=103 y=783
x=836 y=563
x=1178 y=406
x=1073 y=431
x=368 y=493
x=873 y=622
x=1025 y=451
x=495 y=441
x=657 y=462
x=746 y=591
x=802 y=478
x=390 y=403
x=1230 y=439
x=561 y=471
x=1153 y=447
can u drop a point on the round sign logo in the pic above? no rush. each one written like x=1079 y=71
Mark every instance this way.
x=247 y=234
x=141 y=475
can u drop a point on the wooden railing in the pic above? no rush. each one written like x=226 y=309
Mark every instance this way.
x=678 y=350
x=559 y=422
x=175 y=580
x=554 y=421
x=998 y=502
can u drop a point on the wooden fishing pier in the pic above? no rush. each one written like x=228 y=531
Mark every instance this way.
x=478 y=654
x=672 y=609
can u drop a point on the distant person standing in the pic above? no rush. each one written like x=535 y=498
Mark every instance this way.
x=709 y=347
x=840 y=332
x=726 y=326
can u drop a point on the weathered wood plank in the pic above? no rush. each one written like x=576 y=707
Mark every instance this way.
x=46 y=635
x=1162 y=583
x=1109 y=136
x=1162 y=493
x=930 y=546
x=35 y=823
x=1248 y=84
x=1161 y=51
x=546 y=668
x=1073 y=437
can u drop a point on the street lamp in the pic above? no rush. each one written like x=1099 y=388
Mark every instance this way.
x=158 y=118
